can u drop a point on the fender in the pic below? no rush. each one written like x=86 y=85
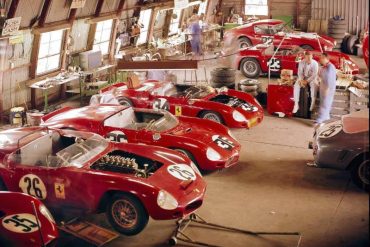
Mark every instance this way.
x=54 y=113
x=213 y=106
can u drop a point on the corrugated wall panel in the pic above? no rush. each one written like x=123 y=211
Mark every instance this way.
x=88 y=9
x=79 y=33
x=109 y=6
x=59 y=11
x=356 y=12
x=28 y=9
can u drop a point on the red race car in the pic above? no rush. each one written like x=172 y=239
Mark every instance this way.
x=210 y=145
x=272 y=32
x=365 y=48
x=83 y=171
x=25 y=221
x=230 y=107
x=254 y=61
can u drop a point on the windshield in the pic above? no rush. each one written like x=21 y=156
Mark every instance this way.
x=167 y=122
x=198 y=92
x=82 y=151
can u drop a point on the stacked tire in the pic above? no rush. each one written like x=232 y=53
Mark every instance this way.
x=223 y=77
x=250 y=86
x=337 y=29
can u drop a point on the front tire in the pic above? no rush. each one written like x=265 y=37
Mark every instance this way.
x=125 y=101
x=127 y=214
x=250 y=68
x=360 y=173
x=244 y=43
x=211 y=115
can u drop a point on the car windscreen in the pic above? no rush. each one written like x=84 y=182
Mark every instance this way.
x=82 y=151
x=167 y=122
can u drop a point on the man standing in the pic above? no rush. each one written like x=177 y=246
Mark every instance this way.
x=328 y=78
x=195 y=33
x=307 y=74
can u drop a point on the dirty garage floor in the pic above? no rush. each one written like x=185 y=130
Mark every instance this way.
x=271 y=189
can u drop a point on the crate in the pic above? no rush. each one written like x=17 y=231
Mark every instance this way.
x=359 y=99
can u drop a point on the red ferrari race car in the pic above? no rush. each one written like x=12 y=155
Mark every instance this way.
x=83 y=171
x=272 y=32
x=230 y=107
x=25 y=221
x=254 y=61
x=210 y=145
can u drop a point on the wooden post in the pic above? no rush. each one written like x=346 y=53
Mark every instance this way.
x=91 y=36
x=112 y=43
x=151 y=26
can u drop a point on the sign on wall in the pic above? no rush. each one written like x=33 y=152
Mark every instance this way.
x=76 y=4
x=11 y=26
x=181 y=4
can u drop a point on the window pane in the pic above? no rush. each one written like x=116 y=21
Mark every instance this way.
x=56 y=35
x=45 y=38
x=44 y=50
x=53 y=63
x=97 y=37
x=144 y=20
x=102 y=36
x=54 y=47
x=41 y=65
x=106 y=35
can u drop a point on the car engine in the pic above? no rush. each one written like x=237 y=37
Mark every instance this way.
x=126 y=163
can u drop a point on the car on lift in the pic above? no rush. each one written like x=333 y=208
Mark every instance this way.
x=232 y=108
x=83 y=171
x=273 y=31
x=25 y=221
x=254 y=61
x=344 y=145
x=208 y=144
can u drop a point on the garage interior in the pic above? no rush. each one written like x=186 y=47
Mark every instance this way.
x=68 y=54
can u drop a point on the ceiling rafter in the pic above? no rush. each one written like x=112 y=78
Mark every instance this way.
x=99 y=8
x=13 y=9
x=44 y=12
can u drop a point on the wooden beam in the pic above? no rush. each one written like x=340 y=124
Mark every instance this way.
x=121 y=4
x=112 y=43
x=12 y=9
x=91 y=37
x=99 y=7
x=44 y=12
x=52 y=27
x=34 y=55
x=72 y=15
x=157 y=65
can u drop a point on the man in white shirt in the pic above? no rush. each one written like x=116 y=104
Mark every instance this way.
x=308 y=70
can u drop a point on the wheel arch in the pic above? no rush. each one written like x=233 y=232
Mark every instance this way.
x=356 y=159
x=108 y=195
x=199 y=114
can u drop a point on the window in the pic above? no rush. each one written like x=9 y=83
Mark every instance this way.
x=102 y=36
x=175 y=22
x=144 y=21
x=49 y=52
x=256 y=7
x=203 y=7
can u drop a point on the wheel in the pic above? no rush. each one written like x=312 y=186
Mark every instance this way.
x=125 y=101
x=337 y=30
x=307 y=47
x=213 y=116
x=249 y=88
x=127 y=214
x=250 y=67
x=187 y=154
x=350 y=44
x=223 y=80
x=172 y=241
x=2 y=186
x=360 y=173
x=244 y=43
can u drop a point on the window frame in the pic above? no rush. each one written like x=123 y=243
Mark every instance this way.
x=142 y=29
x=61 y=54
x=246 y=4
x=109 y=41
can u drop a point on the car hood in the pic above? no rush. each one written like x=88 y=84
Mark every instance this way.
x=356 y=122
x=192 y=131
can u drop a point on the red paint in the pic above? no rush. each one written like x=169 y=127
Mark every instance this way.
x=280 y=99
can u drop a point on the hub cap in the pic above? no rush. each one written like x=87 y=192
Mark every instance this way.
x=250 y=67
x=124 y=213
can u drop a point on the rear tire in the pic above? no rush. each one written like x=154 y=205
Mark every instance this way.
x=360 y=172
x=244 y=43
x=250 y=68
x=126 y=214
x=125 y=101
x=211 y=115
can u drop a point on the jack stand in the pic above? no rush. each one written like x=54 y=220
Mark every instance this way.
x=184 y=223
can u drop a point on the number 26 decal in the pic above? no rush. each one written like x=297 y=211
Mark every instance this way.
x=33 y=185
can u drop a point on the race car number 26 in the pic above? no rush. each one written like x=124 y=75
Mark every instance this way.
x=182 y=172
x=20 y=223
x=33 y=185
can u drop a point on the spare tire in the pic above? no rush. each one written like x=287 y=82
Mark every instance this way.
x=222 y=72
x=245 y=88
x=337 y=22
x=225 y=80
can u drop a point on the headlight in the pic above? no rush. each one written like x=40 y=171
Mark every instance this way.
x=45 y=212
x=237 y=116
x=231 y=134
x=166 y=201
x=195 y=168
x=212 y=154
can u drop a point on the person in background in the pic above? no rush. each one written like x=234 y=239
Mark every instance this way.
x=328 y=79
x=308 y=70
x=110 y=98
x=195 y=33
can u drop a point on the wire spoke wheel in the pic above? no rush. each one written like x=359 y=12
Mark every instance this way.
x=212 y=116
x=250 y=67
x=124 y=213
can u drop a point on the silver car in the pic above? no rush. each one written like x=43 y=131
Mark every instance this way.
x=344 y=145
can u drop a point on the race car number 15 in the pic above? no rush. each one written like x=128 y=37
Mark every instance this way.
x=33 y=185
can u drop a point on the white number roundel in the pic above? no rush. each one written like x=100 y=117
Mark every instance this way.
x=33 y=185
x=330 y=130
x=20 y=223
x=182 y=172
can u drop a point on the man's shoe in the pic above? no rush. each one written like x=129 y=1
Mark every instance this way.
x=296 y=108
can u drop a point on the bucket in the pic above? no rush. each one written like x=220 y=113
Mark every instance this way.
x=17 y=116
x=34 y=118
